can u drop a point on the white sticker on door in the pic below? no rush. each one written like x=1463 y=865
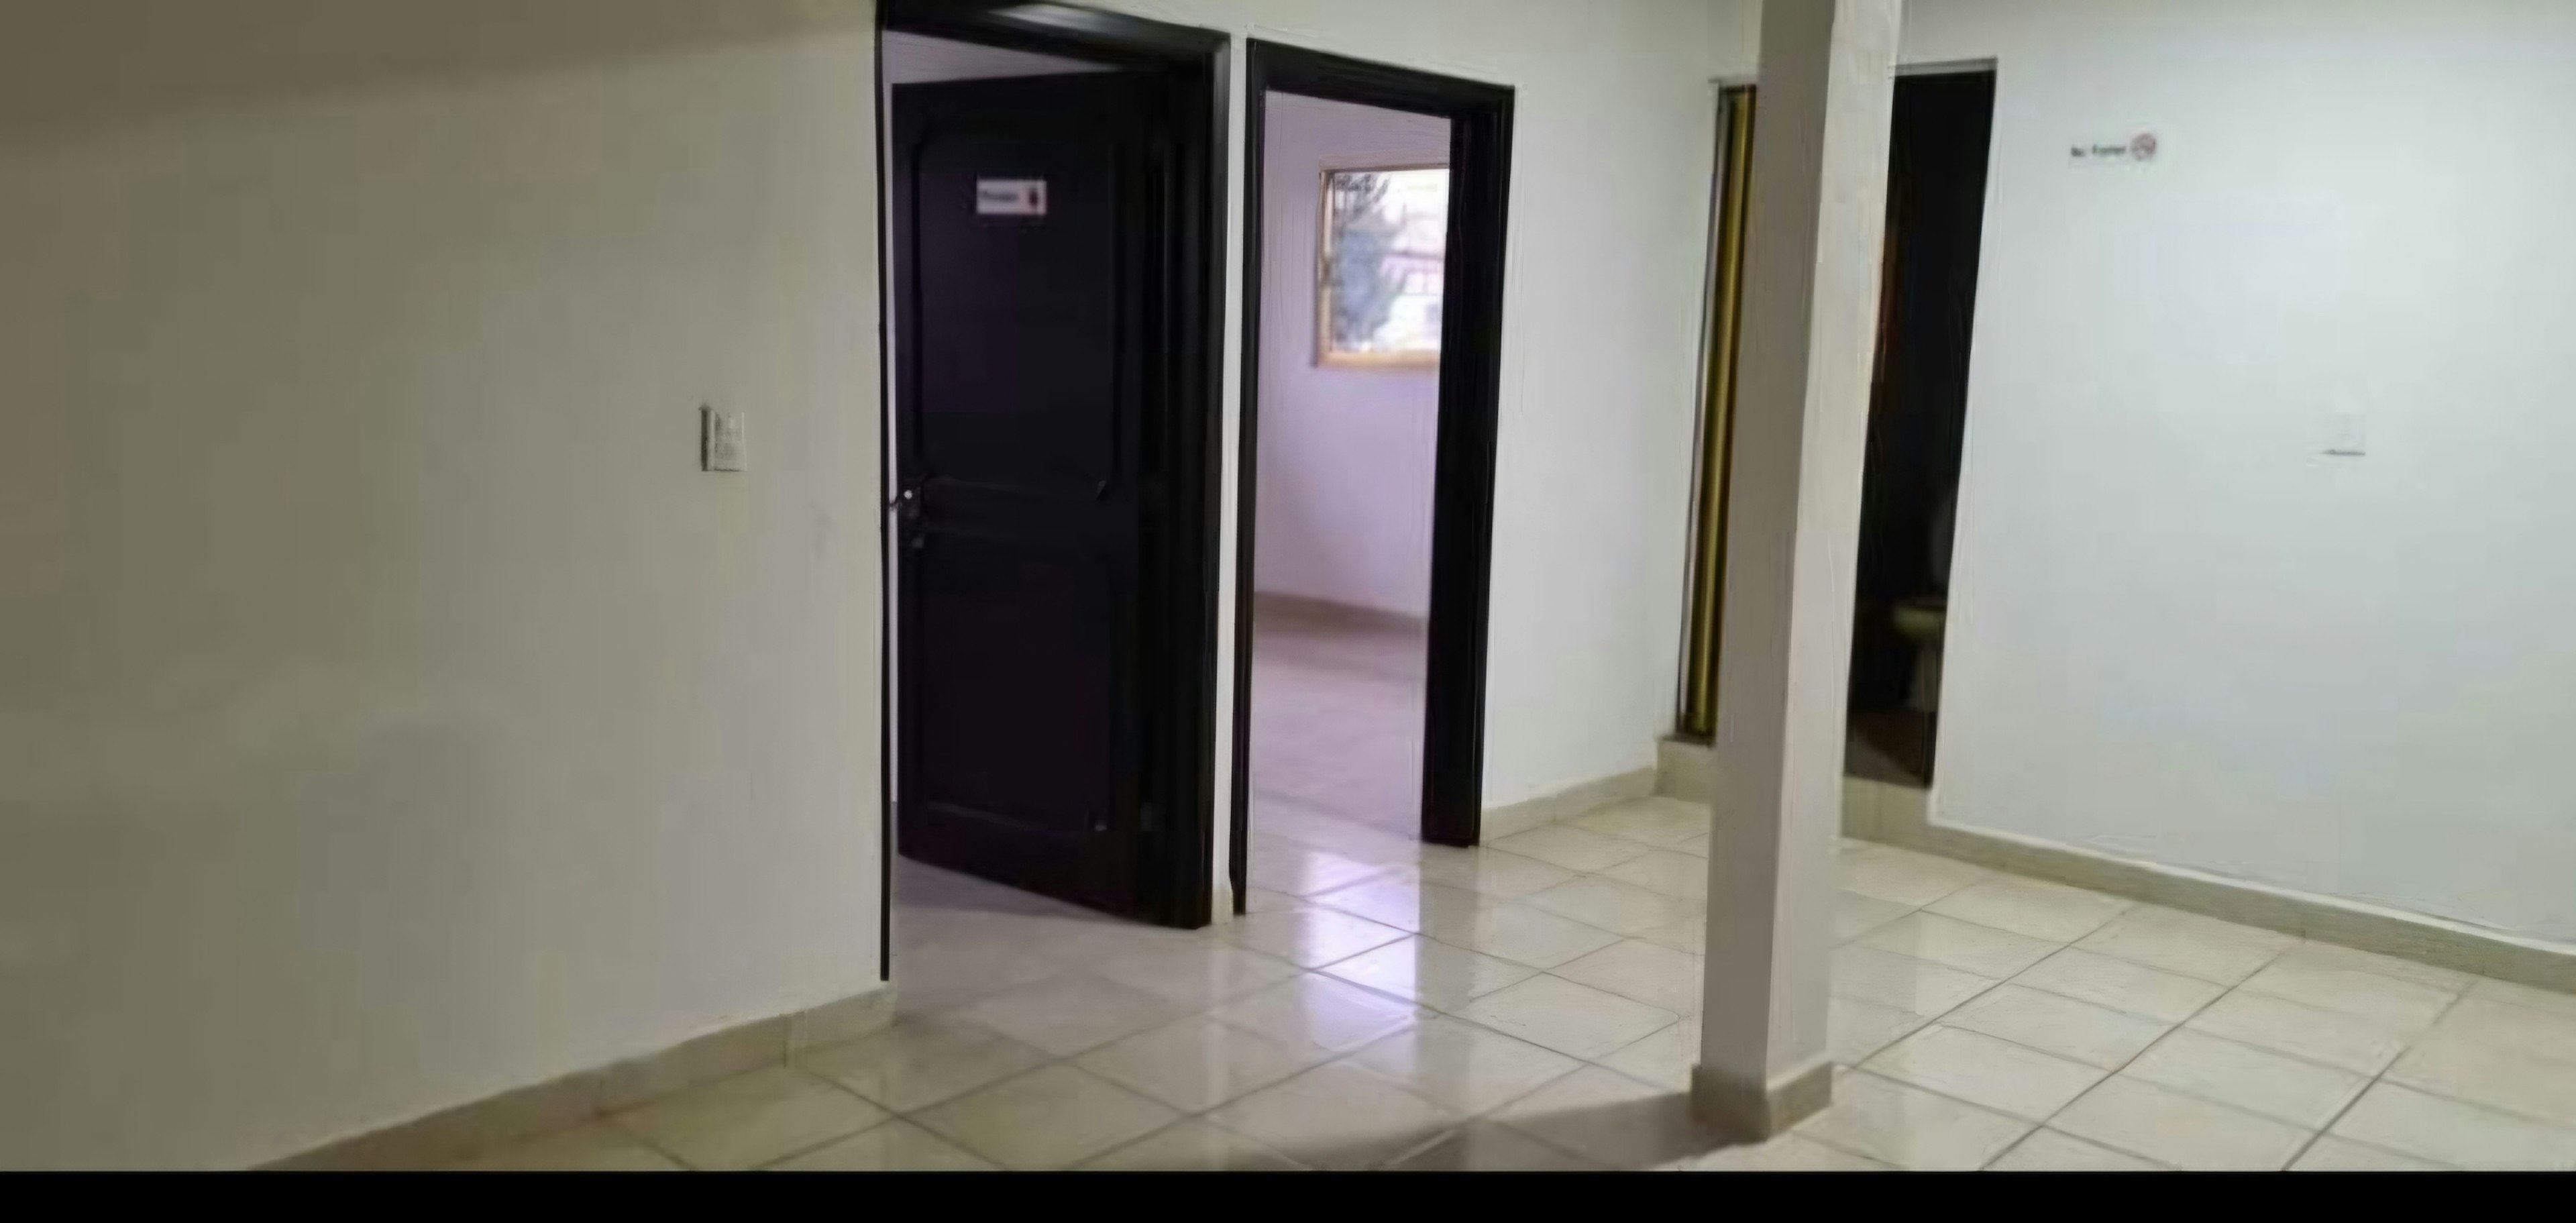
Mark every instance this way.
x=1010 y=197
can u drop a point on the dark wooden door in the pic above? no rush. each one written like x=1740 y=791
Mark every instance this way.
x=1023 y=219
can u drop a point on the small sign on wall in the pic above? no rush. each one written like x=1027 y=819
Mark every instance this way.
x=1010 y=197
x=2135 y=150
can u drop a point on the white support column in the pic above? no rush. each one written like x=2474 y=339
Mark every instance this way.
x=1818 y=216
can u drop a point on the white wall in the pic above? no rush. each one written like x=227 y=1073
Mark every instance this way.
x=2179 y=631
x=1347 y=454
x=390 y=712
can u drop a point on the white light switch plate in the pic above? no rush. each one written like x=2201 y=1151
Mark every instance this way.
x=2347 y=434
x=720 y=444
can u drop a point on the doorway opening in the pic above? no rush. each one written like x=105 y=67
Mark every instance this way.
x=1936 y=204
x=1053 y=182
x=1374 y=212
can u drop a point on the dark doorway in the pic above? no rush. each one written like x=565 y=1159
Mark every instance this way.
x=1918 y=414
x=1467 y=318
x=1052 y=262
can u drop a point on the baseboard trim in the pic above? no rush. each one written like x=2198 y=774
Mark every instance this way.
x=1900 y=816
x=1757 y=1112
x=453 y=1135
x=1567 y=803
x=1685 y=769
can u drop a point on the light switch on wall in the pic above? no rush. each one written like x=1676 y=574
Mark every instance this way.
x=720 y=445
x=2347 y=434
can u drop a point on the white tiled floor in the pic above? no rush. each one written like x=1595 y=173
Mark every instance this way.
x=1977 y=1030
x=1533 y=1004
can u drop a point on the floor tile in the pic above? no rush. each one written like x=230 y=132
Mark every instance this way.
x=1689 y=934
x=896 y=1146
x=2031 y=908
x=2491 y=990
x=2547 y=1035
x=1697 y=846
x=1337 y=1116
x=1308 y=938
x=1318 y=1012
x=1648 y=821
x=2049 y=1151
x=1489 y=872
x=1485 y=1146
x=2459 y=1065
x=1576 y=1020
x=1516 y=932
x=2259 y=1081
x=1787 y=1153
x=1069 y=1014
x=1911 y=1128
x=2331 y=1154
x=1856 y=915
x=1299 y=870
x=1982 y=1070
x=2329 y=955
x=1363 y=840
x=1901 y=981
x=1193 y=1145
x=1432 y=973
x=1902 y=876
x=1407 y=903
x=2185 y=1131
x=1612 y=1120
x=1663 y=1058
x=1263 y=900
x=1460 y=1066
x=943 y=975
x=1657 y=976
x=1572 y=848
x=1854 y=1030
x=2186 y=943
x=597 y=1147
x=1966 y=946
x=2331 y=1037
x=1046 y=1119
x=1608 y=904
x=1664 y=871
x=1198 y=1063
x=2120 y=985
x=2408 y=1006
x=920 y=1061
x=2463 y=1135
x=750 y=1119
x=1200 y=974
x=2051 y=1023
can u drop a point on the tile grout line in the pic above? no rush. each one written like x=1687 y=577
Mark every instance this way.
x=1392 y=870
x=2382 y=1074
x=2132 y=1059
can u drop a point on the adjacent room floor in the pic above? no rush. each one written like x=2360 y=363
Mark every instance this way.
x=1529 y=1005
x=1336 y=717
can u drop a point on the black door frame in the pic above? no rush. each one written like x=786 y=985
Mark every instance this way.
x=1179 y=692
x=1471 y=364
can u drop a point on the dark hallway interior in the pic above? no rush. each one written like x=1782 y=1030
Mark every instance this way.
x=1918 y=412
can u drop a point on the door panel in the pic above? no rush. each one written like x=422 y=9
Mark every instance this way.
x=1018 y=323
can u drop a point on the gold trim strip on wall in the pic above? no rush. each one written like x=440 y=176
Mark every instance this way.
x=1717 y=421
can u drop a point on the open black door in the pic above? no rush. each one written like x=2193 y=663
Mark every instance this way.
x=1024 y=257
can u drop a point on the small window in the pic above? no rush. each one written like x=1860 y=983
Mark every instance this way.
x=1382 y=263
